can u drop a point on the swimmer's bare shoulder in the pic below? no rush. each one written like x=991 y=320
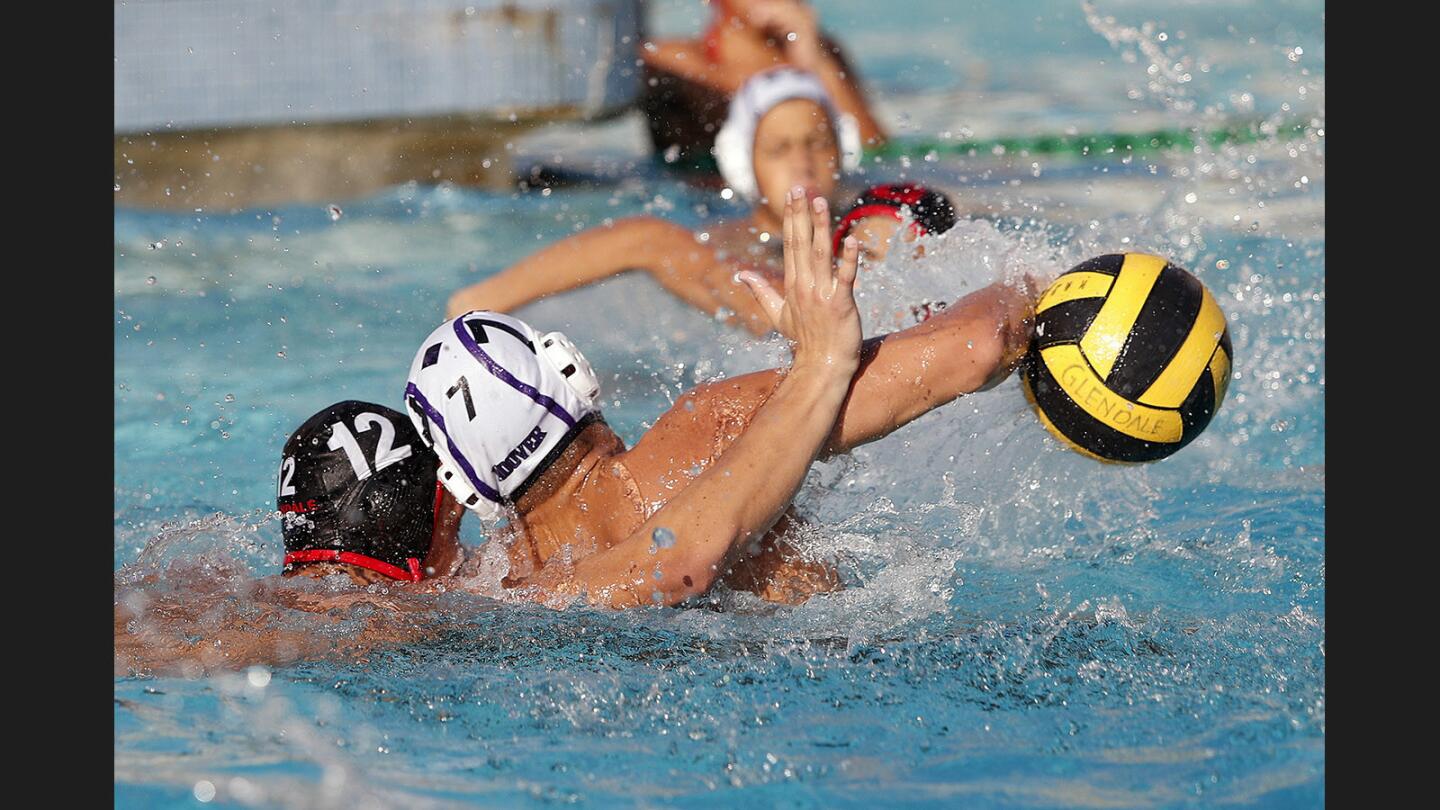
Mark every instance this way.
x=699 y=427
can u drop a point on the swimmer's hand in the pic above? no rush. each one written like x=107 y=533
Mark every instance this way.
x=788 y=18
x=818 y=310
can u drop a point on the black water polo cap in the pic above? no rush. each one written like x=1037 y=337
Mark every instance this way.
x=357 y=486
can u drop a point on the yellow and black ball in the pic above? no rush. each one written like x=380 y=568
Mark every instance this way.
x=1130 y=358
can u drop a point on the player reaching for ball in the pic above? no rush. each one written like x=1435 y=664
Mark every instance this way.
x=704 y=496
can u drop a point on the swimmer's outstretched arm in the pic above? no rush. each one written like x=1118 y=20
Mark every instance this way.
x=748 y=488
x=973 y=344
x=667 y=251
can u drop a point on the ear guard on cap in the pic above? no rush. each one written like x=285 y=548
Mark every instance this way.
x=847 y=130
x=561 y=354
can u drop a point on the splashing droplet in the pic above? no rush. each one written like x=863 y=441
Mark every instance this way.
x=150 y=280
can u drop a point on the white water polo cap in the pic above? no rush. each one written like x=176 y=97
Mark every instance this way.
x=497 y=402
x=735 y=142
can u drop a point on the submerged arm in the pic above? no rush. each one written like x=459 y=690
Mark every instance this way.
x=197 y=625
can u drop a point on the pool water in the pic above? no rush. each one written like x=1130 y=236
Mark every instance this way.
x=1023 y=627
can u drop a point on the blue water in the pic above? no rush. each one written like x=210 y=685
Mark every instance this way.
x=1023 y=627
